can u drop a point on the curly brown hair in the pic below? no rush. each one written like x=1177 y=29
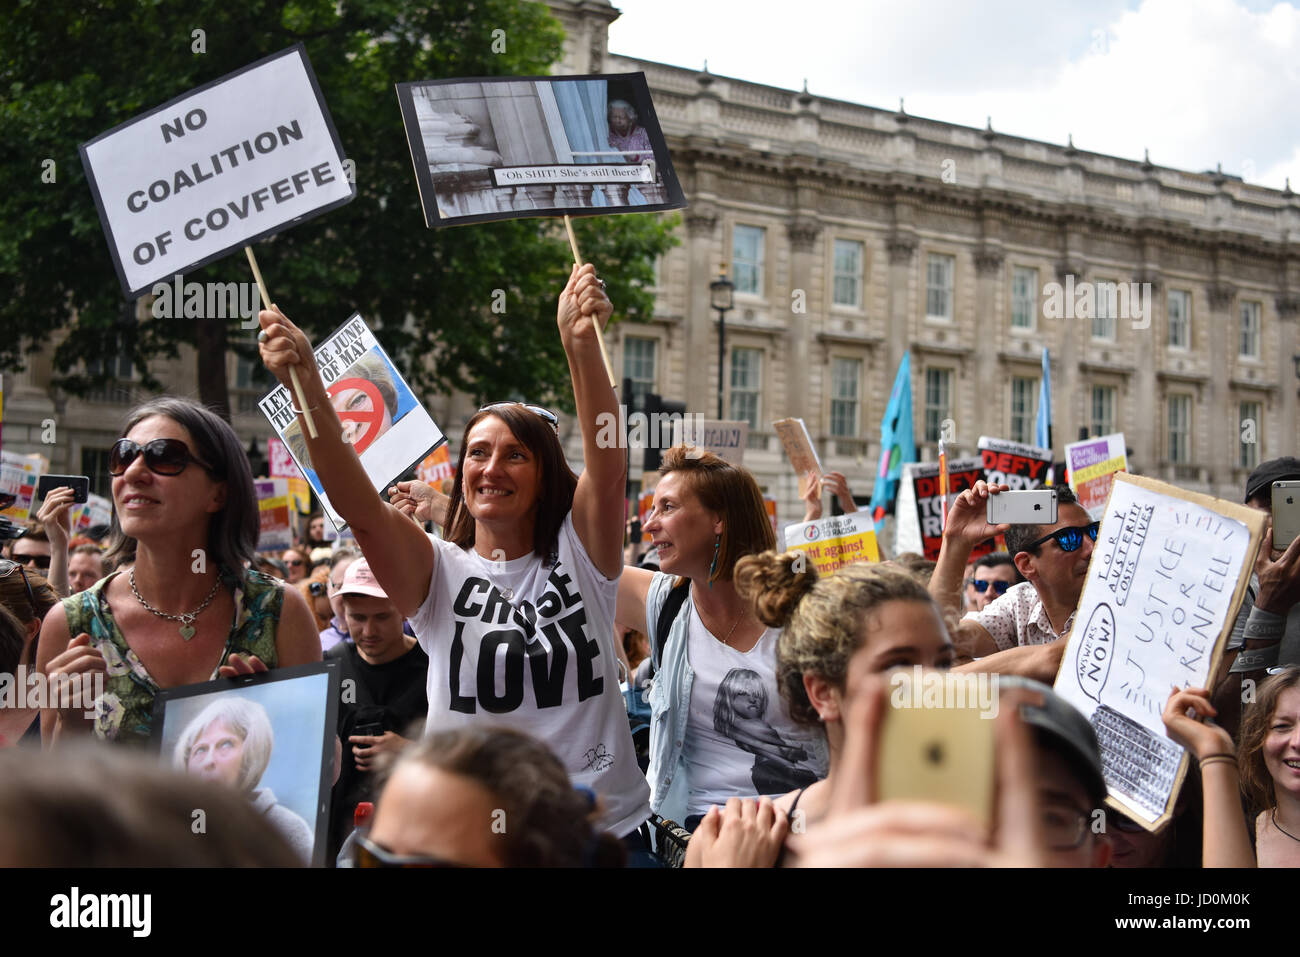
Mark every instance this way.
x=1256 y=782
x=823 y=618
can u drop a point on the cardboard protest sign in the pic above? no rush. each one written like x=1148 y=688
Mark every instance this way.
x=386 y=424
x=18 y=477
x=799 y=450
x=724 y=439
x=96 y=510
x=222 y=166
x=1023 y=467
x=1166 y=580
x=1092 y=465
x=436 y=467
x=832 y=543
x=512 y=147
x=273 y=514
x=924 y=487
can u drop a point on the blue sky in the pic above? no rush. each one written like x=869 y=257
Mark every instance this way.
x=1198 y=82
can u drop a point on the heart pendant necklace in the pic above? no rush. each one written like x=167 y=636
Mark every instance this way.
x=187 y=620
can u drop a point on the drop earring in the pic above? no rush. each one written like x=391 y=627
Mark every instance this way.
x=717 y=543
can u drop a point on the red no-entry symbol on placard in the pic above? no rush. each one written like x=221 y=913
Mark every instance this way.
x=367 y=417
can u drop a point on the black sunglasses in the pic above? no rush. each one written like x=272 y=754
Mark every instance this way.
x=7 y=567
x=982 y=586
x=370 y=854
x=1069 y=539
x=316 y=588
x=163 y=456
x=546 y=414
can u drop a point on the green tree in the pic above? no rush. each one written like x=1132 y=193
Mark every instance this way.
x=68 y=72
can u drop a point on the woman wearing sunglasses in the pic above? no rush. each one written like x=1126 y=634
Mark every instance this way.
x=515 y=607
x=183 y=607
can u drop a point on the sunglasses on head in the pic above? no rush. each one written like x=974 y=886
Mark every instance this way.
x=7 y=568
x=982 y=586
x=370 y=854
x=162 y=456
x=1068 y=539
x=546 y=414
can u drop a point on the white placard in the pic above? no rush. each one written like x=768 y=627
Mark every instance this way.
x=1166 y=579
x=724 y=439
x=233 y=161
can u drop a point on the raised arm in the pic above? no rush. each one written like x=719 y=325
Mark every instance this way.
x=633 y=590
x=967 y=527
x=54 y=516
x=400 y=555
x=598 y=503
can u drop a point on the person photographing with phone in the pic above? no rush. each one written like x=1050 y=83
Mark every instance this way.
x=1022 y=632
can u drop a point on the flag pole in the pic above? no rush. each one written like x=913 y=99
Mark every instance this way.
x=293 y=370
x=600 y=336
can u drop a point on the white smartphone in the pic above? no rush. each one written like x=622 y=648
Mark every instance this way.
x=1286 y=513
x=1032 y=507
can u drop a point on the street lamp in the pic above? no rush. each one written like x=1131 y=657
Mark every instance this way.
x=720 y=291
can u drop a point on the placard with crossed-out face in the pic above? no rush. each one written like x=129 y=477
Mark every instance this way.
x=381 y=417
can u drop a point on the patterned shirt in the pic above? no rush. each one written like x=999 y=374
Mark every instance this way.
x=124 y=713
x=1018 y=618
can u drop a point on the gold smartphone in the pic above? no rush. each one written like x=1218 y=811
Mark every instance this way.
x=938 y=741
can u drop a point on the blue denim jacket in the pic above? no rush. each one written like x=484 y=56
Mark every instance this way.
x=670 y=699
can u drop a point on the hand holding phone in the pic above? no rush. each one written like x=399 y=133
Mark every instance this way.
x=1026 y=507
x=80 y=485
x=1286 y=513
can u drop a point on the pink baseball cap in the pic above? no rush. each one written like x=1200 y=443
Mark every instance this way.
x=360 y=580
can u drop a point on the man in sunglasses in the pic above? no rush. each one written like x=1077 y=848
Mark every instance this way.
x=990 y=577
x=1022 y=632
x=33 y=551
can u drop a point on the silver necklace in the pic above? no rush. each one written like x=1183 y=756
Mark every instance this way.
x=187 y=620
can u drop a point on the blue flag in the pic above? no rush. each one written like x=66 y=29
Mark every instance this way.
x=897 y=441
x=1043 y=425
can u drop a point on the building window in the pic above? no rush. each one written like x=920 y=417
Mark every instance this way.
x=1024 y=297
x=848 y=274
x=1105 y=310
x=1249 y=347
x=1250 y=433
x=846 y=374
x=1180 y=429
x=938 y=406
x=94 y=463
x=747 y=258
x=746 y=384
x=639 y=367
x=1103 y=410
x=1024 y=409
x=1180 y=319
x=938 y=286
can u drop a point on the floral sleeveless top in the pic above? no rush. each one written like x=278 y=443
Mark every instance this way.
x=124 y=712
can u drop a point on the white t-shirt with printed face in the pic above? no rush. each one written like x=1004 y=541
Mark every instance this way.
x=525 y=646
x=740 y=740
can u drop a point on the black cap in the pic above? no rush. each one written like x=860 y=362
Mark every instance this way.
x=1063 y=728
x=1274 y=470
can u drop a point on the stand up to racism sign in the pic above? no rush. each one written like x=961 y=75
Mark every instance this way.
x=234 y=161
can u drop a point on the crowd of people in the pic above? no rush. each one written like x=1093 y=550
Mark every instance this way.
x=523 y=695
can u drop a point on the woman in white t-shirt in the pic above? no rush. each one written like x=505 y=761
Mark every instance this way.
x=515 y=608
x=718 y=727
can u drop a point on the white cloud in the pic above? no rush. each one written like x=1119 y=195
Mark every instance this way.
x=1199 y=82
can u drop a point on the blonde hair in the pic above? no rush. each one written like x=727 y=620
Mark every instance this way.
x=823 y=618
x=246 y=718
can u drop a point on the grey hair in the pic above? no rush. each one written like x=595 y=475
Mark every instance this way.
x=246 y=718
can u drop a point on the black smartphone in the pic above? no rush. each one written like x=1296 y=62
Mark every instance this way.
x=80 y=485
x=371 y=728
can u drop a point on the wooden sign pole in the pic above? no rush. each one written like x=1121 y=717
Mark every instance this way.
x=293 y=370
x=600 y=336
